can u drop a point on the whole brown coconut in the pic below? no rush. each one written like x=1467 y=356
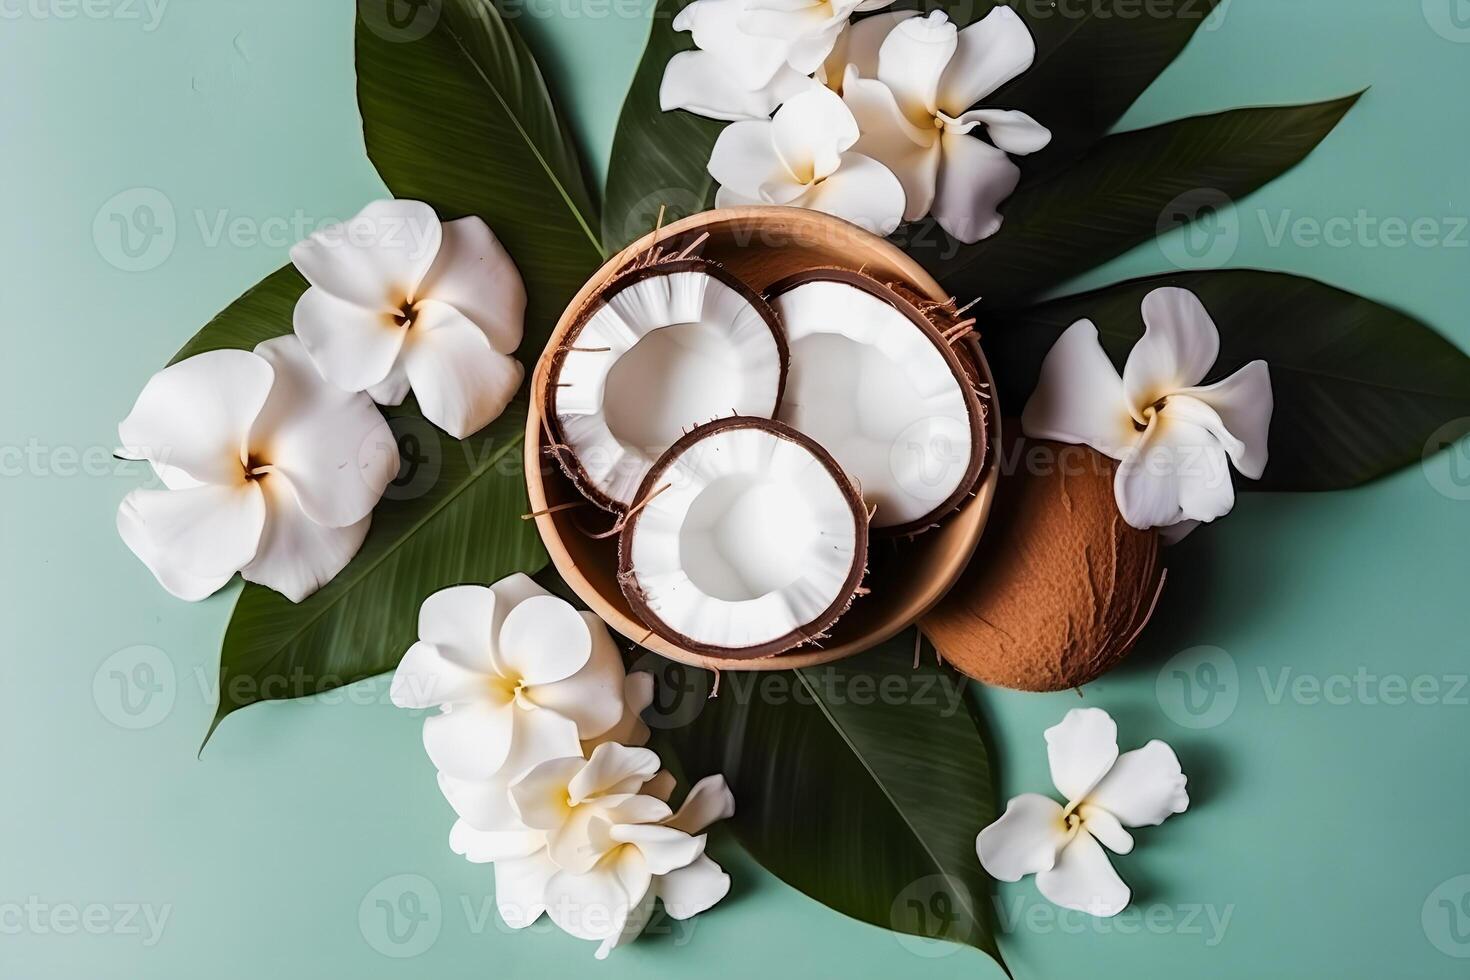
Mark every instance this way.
x=1060 y=587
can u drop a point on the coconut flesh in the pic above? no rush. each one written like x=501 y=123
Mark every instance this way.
x=667 y=347
x=748 y=541
x=874 y=382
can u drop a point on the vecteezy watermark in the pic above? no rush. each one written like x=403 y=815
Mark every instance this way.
x=44 y=461
x=37 y=917
x=1450 y=19
x=934 y=914
x=1450 y=476
x=1201 y=688
x=1206 y=921
x=135 y=688
x=148 y=14
x=1446 y=917
x=400 y=21
x=1210 y=229
x=136 y=230
x=401 y=916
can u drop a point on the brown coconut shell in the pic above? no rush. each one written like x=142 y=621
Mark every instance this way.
x=1060 y=587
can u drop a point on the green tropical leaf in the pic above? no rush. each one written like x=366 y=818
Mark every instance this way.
x=1360 y=389
x=1128 y=190
x=658 y=158
x=862 y=783
x=456 y=113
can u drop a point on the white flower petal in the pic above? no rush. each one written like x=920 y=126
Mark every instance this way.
x=483 y=804
x=590 y=905
x=1244 y=402
x=1106 y=828
x=1084 y=879
x=297 y=555
x=613 y=770
x=461 y=382
x=475 y=274
x=744 y=161
x=489 y=846
x=1009 y=129
x=471 y=740
x=593 y=695
x=543 y=640
x=811 y=131
x=1023 y=840
x=751 y=60
x=862 y=191
x=664 y=848
x=203 y=533
x=540 y=794
x=1182 y=407
x=459 y=621
x=538 y=734
x=196 y=415
x=891 y=139
x=376 y=259
x=858 y=45
x=911 y=60
x=1178 y=471
x=135 y=534
x=392 y=389
x=634 y=871
x=974 y=179
x=510 y=592
x=1144 y=787
x=1079 y=396
x=1080 y=749
x=988 y=54
x=694 y=888
x=630 y=729
x=637 y=921
x=334 y=447
x=1178 y=347
x=521 y=888
x=425 y=678
x=353 y=347
x=709 y=800
x=699 y=82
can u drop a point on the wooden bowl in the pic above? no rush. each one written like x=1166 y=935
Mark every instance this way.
x=761 y=245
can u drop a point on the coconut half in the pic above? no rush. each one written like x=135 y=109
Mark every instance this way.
x=875 y=381
x=663 y=348
x=747 y=540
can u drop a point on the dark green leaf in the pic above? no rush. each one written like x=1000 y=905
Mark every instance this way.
x=658 y=158
x=456 y=113
x=1128 y=190
x=1359 y=388
x=863 y=783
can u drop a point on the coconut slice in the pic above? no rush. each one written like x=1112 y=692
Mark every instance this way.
x=664 y=348
x=875 y=381
x=747 y=540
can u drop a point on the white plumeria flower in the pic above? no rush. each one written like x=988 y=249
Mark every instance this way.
x=857 y=46
x=613 y=846
x=399 y=300
x=802 y=157
x=519 y=674
x=269 y=471
x=1105 y=793
x=916 y=116
x=1172 y=435
x=752 y=55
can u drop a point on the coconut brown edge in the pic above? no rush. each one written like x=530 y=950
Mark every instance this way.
x=809 y=632
x=974 y=410
x=633 y=273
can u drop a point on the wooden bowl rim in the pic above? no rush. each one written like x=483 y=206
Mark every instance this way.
x=941 y=577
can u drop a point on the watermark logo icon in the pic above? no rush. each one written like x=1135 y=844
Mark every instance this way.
x=680 y=692
x=1450 y=19
x=1209 y=229
x=1450 y=476
x=400 y=20
x=932 y=915
x=420 y=457
x=135 y=688
x=1446 y=917
x=136 y=230
x=401 y=916
x=1199 y=687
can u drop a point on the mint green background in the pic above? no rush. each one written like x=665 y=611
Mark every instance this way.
x=1320 y=829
